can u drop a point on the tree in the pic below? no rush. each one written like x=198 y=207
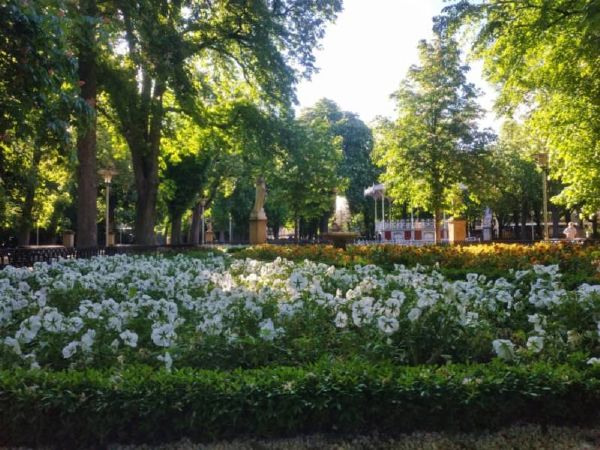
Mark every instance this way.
x=512 y=180
x=307 y=174
x=38 y=99
x=357 y=145
x=168 y=44
x=85 y=24
x=435 y=143
x=545 y=57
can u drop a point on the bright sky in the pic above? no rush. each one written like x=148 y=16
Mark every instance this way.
x=367 y=52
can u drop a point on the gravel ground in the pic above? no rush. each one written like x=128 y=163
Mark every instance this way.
x=518 y=438
x=528 y=437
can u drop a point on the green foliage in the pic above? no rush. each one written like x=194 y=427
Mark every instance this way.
x=95 y=408
x=37 y=73
x=356 y=166
x=545 y=57
x=434 y=144
x=308 y=173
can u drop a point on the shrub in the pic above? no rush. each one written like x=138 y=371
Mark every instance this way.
x=140 y=405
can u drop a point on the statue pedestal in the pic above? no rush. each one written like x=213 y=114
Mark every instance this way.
x=209 y=237
x=258 y=230
x=457 y=230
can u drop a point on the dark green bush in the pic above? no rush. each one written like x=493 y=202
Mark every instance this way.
x=139 y=405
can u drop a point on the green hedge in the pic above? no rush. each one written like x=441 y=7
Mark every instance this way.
x=139 y=405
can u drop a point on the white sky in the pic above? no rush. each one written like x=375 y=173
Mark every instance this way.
x=367 y=52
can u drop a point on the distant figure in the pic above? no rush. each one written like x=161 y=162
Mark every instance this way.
x=571 y=231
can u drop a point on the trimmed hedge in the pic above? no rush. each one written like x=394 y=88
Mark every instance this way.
x=139 y=405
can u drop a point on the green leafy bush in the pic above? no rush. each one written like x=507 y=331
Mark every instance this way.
x=139 y=404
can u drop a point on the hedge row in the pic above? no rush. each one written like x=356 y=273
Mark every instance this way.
x=139 y=405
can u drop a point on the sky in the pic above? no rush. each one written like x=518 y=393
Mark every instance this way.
x=367 y=52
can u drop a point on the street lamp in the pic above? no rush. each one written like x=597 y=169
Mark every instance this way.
x=542 y=160
x=107 y=174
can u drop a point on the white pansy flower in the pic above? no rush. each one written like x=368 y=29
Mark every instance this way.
x=163 y=334
x=13 y=343
x=504 y=348
x=28 y=329
x=129 y=338
x=535 y=343
x=53 y=322
x=87 y=340
x=388 y=325
x=70 y=349
x=166 y=358
x=414 y=314
x=341 y=319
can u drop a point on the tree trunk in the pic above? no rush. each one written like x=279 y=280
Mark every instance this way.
x=87 y=185
x=539 y=229
x=145 y=167
x=196 y=222
x=555 y=221
x=437 y=218
x=595 y=226
x=524 y=215
x=176 y=229
x=26 y=218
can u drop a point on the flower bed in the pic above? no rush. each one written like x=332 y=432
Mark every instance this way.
x=141 y=349
x=578 y=263
x=219 y=313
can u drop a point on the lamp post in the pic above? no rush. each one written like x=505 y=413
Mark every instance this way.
x=107 y=174
x=542 y=160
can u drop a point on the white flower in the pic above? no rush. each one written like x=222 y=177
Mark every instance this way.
x=535 y=343
x=401 y=296
x=341 y=319
x=28 y=329
x=414 y=314
x=267 y=330
x=87 y=340
x=504 y=348
x=163 y=335
x=53 y=321
x=70 y=349
x=388 y=325
x=297 y=281
x=166 y=358
x=13 y=343
x=593 y=361
x=129 y=338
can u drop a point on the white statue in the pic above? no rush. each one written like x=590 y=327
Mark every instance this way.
x=258 y=211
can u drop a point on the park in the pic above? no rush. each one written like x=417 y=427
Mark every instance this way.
x=215 y=234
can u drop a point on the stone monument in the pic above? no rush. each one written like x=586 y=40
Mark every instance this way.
x=486 y=224
x=258 y=218
x=209 y=236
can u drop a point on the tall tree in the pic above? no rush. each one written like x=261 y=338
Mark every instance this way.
x=87 y=186
x=307 y=174
x=169 y=44
x=37 y=100
x=435 y=142
x=357 y=166
x=545 y=57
